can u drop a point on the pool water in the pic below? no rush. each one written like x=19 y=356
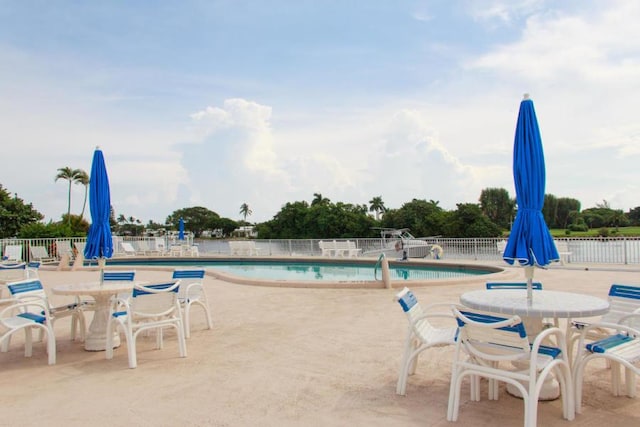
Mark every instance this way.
x=339 y=272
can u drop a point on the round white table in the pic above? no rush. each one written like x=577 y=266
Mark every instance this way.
x=96 y=339
x=556 y=304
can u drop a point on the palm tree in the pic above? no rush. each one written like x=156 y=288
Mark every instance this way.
x=70 y=175
x=319 y=200
x=83 y=179
x=245 y=211
x=377 y=205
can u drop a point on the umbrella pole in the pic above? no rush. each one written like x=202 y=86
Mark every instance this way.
x=528 y=273
x=101 y=263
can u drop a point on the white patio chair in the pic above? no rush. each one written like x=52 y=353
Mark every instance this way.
x=12 y=273
x=498 y=348
x=40 y=253
x=623 y=300
x=12 y=253
x=109 y=276
x=32 y=290
x=621 y=349
x=421 y=334
x=192 y=292
x=152 y=307
x=20 y=316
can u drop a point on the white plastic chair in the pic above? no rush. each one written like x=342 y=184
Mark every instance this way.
x=498 y=348
x=27 y=320
x=128 y=249
x=192 y=292
x=621 y=349
x=152 y=307
x=623 y=300
x=31 y=290
x=12 y=273
x=421 y=334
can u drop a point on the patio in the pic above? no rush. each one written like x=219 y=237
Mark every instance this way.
x=283 y=357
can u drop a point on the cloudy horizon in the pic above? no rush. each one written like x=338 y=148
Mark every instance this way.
x=221 y=103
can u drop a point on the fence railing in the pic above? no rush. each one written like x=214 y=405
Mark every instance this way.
x=612 y=250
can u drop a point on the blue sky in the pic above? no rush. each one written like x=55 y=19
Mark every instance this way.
x=220 y=103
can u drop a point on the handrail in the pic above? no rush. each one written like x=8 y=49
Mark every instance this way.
x=378 y=263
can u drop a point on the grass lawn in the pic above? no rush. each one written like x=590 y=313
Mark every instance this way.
x=613 y=232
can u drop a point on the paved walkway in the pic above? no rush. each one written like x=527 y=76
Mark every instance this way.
x=282 y=357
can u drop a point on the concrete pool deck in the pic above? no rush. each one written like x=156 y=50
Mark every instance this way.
x=280 y=356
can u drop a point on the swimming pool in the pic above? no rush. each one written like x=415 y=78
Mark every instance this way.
x=322 y=272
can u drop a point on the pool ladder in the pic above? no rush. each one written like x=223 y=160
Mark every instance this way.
x=378 y=264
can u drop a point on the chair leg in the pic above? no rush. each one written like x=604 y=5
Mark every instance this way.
x=182 y=344
x=187 y=322
x=28 y=341
x=51 y=345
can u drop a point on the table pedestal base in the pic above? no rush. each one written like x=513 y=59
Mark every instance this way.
x=96 y=339
x=550 y=390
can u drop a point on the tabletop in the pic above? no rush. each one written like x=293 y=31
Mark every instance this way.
x=544 y=303
x=94 y=288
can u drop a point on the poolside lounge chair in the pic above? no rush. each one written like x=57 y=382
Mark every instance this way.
x=63 y=249
x=490 y=346
x=621 y=349
x=151 y=307
x=12 y=253
x=27 y=316
x=421 y=335
x=192 y=292
x=40 y=253
x=128 y=249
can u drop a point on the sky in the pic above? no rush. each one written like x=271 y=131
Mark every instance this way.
x=223 y=102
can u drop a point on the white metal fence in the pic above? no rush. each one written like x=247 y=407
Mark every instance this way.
x=612 y=250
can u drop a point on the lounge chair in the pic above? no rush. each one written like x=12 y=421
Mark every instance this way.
x=152 y=307
x=12 y=253
x=63 y=249
x=40 y=253
x=128 y=249
x=421 y=335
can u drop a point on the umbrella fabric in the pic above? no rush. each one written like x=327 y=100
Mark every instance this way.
x=99 y=241
x=530 y=243
x=181 y=229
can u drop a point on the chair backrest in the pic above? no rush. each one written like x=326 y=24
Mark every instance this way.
x=187 y=277
x=39 y=252
x=127 y=247
x=80 y=247
x=63 y=247
x=118 y=276
x=490 y=337
x=13 y=253
x=13 y=272
x=623 y=300
x=154 y=300
x=513 y=285
x=26 y=290
x=415 y=314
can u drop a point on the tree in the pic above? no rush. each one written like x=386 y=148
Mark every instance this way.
x=196 y=219
x=550 y=210
x=377 y=205
x=496 y=204
x=566 y=210
x=421 y=217
x=634 y=215
x=83 y=179
x=70 y=175
x=469 y=221
x=245 y=211
x=15 y=214
x=319 y=200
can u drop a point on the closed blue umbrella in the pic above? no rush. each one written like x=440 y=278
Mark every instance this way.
x=99 y=242
x=181 y=229
x=530 y=243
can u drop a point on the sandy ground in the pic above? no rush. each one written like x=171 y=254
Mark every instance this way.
x=281 y=357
